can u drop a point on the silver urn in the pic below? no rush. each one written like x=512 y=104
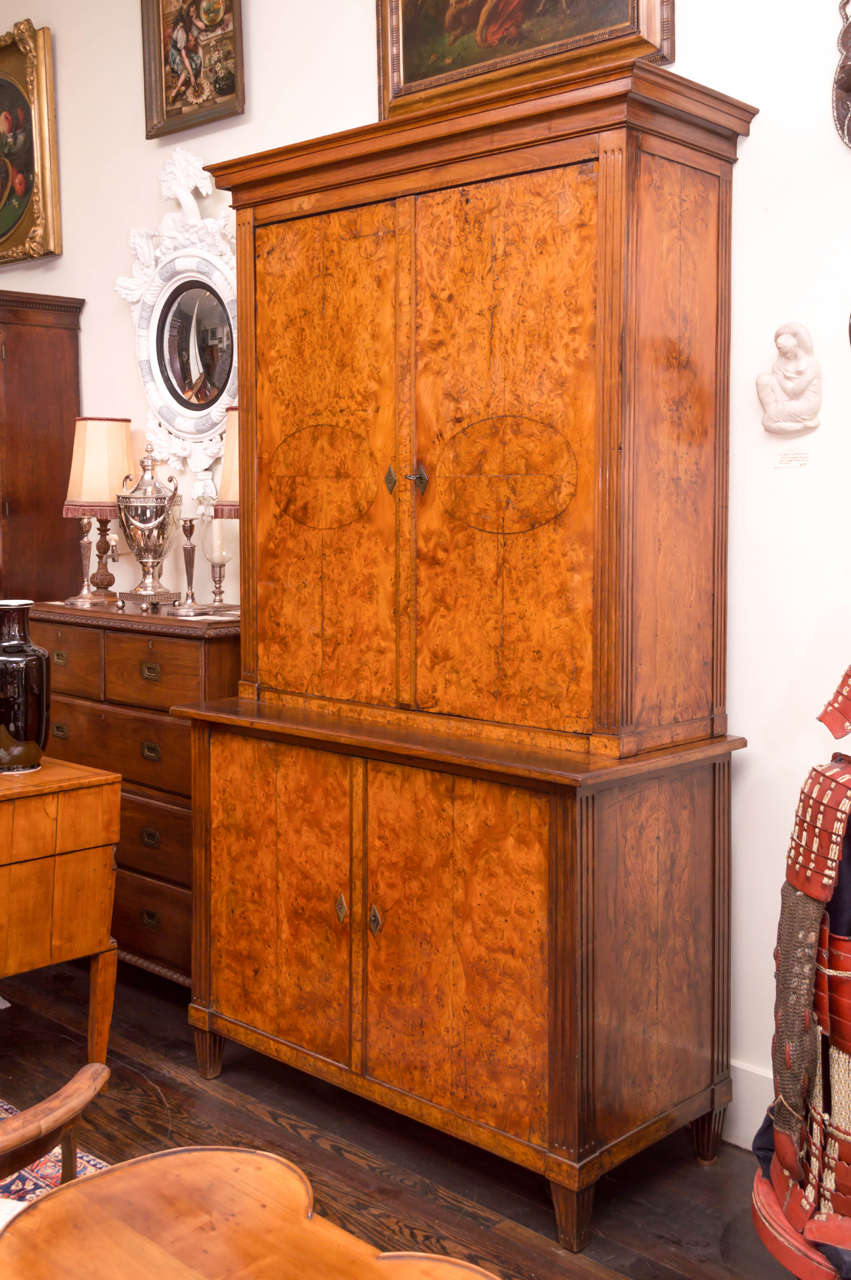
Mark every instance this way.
x=147 y=515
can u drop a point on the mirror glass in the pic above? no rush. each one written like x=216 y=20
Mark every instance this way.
x=195 y=345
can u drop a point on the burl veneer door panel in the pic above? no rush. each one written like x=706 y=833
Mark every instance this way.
x=675 y=517
x=506 y=403
x=457 y=981
x=326 y=414
x=653 y=949
x=280 y=858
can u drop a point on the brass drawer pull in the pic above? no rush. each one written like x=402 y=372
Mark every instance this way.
x=151 y=838
x=341 y=909
x=151 y=671
x=61 y=731
x=60 y=658
x=151 y=751
x=375 y=921
x=150 y=919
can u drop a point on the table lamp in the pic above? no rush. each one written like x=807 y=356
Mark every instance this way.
x=224 y=507
x=101 y=459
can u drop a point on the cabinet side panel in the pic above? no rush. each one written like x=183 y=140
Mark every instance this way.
x=675 y=442
x=243 y=879
x=506 y=406
x=457 y=976
x=326 y=523
x=653 y=949
x=314 y=853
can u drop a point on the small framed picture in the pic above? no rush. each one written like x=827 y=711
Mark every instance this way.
x=432 y=51
x=29 y=185
x=193 y=63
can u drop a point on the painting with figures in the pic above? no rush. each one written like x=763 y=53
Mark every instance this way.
x=430 y=45
x=193 y=62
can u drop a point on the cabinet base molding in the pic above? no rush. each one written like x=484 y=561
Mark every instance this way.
x=212 y=1029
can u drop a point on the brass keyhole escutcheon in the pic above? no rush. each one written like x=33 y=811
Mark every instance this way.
x=375 y=920
x=342 y=909
x=420 y=479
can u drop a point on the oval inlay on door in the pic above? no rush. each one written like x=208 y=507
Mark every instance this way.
x=506 y=475
x=324 y=476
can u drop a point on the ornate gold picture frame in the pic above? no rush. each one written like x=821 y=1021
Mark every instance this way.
x=29 y=182
x=434 y=51
x=192 y=51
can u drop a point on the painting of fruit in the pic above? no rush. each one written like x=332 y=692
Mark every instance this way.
x=16 y=151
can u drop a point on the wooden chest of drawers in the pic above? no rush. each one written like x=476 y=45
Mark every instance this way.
x=113 y=679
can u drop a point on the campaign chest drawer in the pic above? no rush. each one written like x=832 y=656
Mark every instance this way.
x=148 y=748
x=153 y=919
x=156 y=838
x=76 y=658
x=152 y=671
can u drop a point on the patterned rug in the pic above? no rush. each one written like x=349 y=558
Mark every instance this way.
x=45 y=1173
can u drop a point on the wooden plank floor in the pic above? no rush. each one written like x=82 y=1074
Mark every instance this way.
x=661 y=1216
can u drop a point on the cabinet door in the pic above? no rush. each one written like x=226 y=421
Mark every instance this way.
x=506 y=394
x=280 y=859
x=39 y=399
x=457 y=988
x=326 y=424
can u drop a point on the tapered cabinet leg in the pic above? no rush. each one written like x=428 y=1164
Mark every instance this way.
x=208 y=1052
x=573 y=1215
x=706 y=1135
x=102 y=971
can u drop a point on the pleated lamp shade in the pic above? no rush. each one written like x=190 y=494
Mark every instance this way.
x=226 y=506
x=102 y=457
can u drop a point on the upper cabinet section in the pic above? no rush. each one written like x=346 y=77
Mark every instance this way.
x=484 y=364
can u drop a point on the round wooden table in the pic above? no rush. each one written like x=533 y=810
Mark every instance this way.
x=211 y=1212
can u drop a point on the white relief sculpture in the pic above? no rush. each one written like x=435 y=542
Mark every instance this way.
x=790 y=394
x=183 y=282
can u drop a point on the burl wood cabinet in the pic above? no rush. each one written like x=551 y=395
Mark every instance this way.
x=39 y=402
x=462 y=843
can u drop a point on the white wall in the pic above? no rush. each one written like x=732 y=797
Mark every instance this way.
x=310 y=69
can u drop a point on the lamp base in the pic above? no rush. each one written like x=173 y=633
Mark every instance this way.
x=87 y=599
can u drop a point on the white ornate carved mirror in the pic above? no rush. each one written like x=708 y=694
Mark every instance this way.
x=182 y=292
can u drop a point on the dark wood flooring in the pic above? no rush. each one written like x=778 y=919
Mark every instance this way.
x=660 y=1216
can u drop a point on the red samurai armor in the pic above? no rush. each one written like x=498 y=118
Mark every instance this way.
x=802 y=1190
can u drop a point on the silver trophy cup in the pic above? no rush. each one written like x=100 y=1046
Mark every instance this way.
x=147 y=515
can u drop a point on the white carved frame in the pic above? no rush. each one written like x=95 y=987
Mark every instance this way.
x=185 y=247
x=175 y=271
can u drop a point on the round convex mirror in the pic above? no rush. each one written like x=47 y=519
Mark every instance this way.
x=195 y=345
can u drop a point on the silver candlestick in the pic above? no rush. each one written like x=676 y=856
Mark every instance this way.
x=189 y=607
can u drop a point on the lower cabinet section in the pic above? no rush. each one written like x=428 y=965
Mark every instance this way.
x=529 y=953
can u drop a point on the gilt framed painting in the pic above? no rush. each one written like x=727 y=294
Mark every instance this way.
x=431 y=51
x=29 y=184
x=192 y=51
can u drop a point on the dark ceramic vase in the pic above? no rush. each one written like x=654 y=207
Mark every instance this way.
x=24 y=691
